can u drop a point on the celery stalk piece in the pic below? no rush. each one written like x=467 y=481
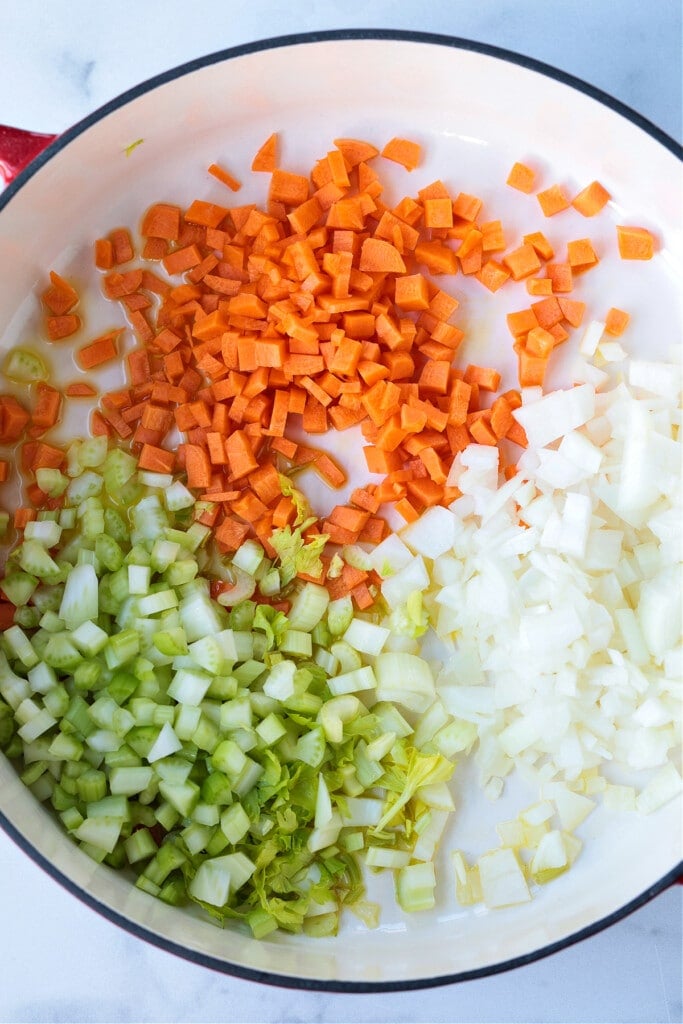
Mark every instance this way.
x=80 y=601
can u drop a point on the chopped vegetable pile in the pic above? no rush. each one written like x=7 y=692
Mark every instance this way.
x=227 y=694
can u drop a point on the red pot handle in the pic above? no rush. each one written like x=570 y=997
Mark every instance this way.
x=18 y=148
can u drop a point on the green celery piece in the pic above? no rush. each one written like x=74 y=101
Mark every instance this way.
x=93 y=451
x=119 y=468
x=19 y=587
x=108 y=551
x=24 y=366
x=35 y=560
x=87 y=485
x=115 y=526
x=61 y=654
x=122 y=686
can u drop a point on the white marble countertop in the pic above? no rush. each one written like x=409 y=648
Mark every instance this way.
x=60 y=961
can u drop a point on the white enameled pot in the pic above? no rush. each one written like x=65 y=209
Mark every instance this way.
x=476 y=111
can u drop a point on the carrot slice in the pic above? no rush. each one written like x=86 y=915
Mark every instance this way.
x=403 y=151
x=266 y=156
x=225 y=177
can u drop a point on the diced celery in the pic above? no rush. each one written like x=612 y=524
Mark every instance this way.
x=353 y=682
x=308 y=607
x=182 y=796
x=102 y=833
x=139 y=846
x=18 y=587
x=415 y=886
x=66 y=748
x=163 y=554
x=24 y=366
x=119 y=467
x=121 y=648
x=296 y=642
x=87 y=485
x=35 y=560
x=20 y=646
x=61 y=654
x=80 y=601
x=310 y=747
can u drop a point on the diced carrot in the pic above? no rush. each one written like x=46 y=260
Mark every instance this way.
x=438 y=213
x=157 y=460
x=266 y=156
x=240 y=455
x=539 y=286
x=80 y=389
x=225 y=177
x=553 y=200
x=162 y=221
x=231 y=534
x=522 y=262
x=47 y=456
x=517 y=434
x=122 y=246
x=492 y=236
x=104 y=254
x=482 y=432
x=47 y=407
x=437 y=257
x=591 y=199
x=330 y=472
x=560 y=274
x=351 y=519
x=486 y=377
x=288 y=188
x=425 y=492
x=7 y=611
x=521 y=177
x=467 y=206
x=197 y=466
x=539 y=342
x=531 y=369
x=540 y=243
x=382 y=257
x=181 y=260
x=102 y=350
x=493 y=275
x=616 y=321
x=356 y=151
x=22 y=516
x=60 y=297
x=59 y=327
x=580 y=254
x=546 y=312
x=501 y=417
x=374 y=531
x=403 y=151
x=14 y=419
x=434 y=377
x=559 y=333
x=572 y=310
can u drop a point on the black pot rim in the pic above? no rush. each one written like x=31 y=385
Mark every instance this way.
x=336 y=35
